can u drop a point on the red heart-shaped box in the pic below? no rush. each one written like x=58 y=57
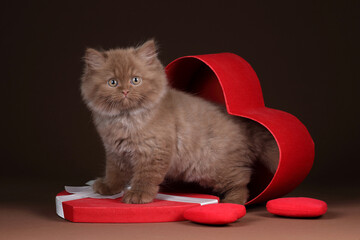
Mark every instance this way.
x=227 y=78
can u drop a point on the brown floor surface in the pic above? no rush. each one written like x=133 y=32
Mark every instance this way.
x=32 y=221
x=27 y=211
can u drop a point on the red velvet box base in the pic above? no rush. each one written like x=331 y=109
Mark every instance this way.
x=114 y=211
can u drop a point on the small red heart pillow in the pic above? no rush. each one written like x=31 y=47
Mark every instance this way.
x=215 y=214
x=300 y=207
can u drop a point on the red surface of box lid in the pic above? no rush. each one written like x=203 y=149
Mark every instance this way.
x=91 y=207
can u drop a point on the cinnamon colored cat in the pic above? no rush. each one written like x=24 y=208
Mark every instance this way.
x=153 y=132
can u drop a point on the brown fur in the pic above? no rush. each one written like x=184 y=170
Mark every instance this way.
x=156 y=132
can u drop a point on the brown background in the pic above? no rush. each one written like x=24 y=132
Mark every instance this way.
x=306 y=55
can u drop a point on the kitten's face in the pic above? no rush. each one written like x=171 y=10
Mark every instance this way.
x=122 y=80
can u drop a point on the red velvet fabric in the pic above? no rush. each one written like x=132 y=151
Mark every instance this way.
x=216 y=214
x=300 y=207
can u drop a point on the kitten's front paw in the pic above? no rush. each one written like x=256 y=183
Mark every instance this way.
x=138 y=197
x=102 y=188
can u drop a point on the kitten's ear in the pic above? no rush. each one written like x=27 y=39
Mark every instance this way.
x=94 y=59
x=147 y=51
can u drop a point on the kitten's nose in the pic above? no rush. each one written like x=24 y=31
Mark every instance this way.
x=125 y=92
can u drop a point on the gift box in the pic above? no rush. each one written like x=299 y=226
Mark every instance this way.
x=81 y=204
x=228 y=79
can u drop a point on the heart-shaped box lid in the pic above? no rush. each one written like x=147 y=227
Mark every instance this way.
x=227 y=78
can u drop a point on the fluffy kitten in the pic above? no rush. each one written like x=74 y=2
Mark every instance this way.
x=152 y=132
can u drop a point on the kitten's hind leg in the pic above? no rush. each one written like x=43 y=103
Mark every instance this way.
x=233 y=185
x=238 y=195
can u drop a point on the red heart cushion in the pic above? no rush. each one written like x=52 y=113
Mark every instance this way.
x=228 y=79
x=215 y=214
x=301 y=207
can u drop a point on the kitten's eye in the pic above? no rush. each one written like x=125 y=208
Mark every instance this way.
x=112 y=83
x=136 y=80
